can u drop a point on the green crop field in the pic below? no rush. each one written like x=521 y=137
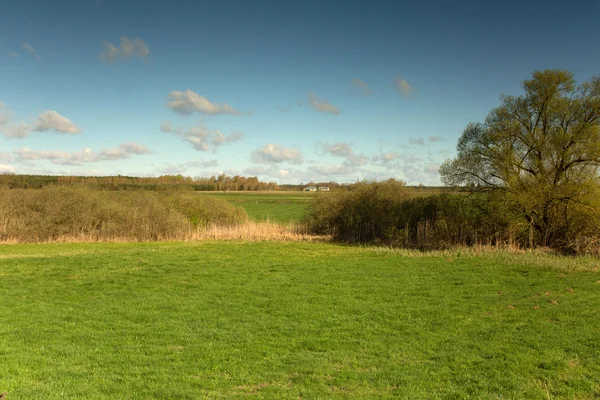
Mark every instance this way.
x=283 y=207
x=294 y=320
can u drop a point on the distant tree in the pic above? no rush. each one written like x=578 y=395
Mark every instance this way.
x=542 y=150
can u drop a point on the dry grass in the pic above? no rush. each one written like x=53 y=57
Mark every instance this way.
x=258 y=231
x=251 y=231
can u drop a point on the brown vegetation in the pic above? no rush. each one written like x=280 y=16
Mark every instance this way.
x=56 y=213
x=83 y=214
x=390 y=213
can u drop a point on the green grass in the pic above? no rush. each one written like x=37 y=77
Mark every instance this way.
x=283 y=207
x=290 y=320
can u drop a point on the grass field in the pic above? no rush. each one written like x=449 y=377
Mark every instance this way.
x=294 y=320
x=283 y=207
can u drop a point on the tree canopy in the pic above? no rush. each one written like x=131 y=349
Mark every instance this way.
x=541 y=149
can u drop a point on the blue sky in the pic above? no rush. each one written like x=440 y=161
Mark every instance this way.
x=291 y=91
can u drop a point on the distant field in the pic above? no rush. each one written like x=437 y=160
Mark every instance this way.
x=294 y=320
x=284 y=207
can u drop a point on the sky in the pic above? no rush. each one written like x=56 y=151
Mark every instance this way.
x=289 y=91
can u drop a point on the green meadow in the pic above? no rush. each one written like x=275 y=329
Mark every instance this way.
x=295 y=320
x=280 y=207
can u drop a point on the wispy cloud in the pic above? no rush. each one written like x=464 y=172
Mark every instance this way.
x=219 y=139
x=128 y=48
x=13 y=54
x=404 y=87
x=200 y=137
x=331 y=170
x=386 y=158
x=274 y=153
x=322 y=105
x=17 y=131
x=30 y=49
x=356 y=160
x=339 y=149
x=362 y=86
x=170 y=169
x=435 y=139
x=273 y=171
x=189 y=102
x=87 y=155
x=417 y=141
x=421 y=141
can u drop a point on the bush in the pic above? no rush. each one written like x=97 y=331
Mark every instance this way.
x=390 y=213
x=61 y=213
x=366 y=213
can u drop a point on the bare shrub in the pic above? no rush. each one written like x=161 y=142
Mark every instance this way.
x=52 y=213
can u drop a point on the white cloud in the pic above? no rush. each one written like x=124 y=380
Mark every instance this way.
x=202 y=164
x=386 y=158
x=172 y=169
x=29 y=47
x=273 y=172
x=51 y=120
x=200 y=137
x=417 y=141
x=48 y=120
x=274 y=153
x=7 y=169
x=167 y=127
x=342 y=149
x=362 y=86
x=13 y=54
x=404 y=87
x=134 y=148
x=87 y=155
x=421 y=141
x=331 y=170
x=322 y=105
x=19 y=130
x=128 y=48
x=356 y=160
x=219 y=139
x=339 y=149
x=188 y=102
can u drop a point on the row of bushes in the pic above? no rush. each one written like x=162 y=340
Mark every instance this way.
x=61 y=213
x=392 y=214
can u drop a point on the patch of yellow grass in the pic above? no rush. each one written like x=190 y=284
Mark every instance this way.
x=247 y=231
x=257 y=231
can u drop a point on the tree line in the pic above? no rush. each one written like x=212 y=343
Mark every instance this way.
x=214 y=183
